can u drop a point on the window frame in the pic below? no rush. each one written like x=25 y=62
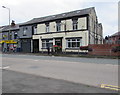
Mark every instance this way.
x=71 y=41
x=75 y=23
x=47 y=43
x=58 y=26
x=47 y=27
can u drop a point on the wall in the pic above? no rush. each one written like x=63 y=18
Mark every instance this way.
x=83 y=34
x=28 y=32
x=82 y=24
x=103 y=49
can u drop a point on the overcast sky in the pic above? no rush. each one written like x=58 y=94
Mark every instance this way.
x=25 y=10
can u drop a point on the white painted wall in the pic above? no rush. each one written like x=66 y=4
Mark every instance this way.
x=82 y=23
x=83 y=34
x=41 y=28
x=69 y=25
x=52 y=26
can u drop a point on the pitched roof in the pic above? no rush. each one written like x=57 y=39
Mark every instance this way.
x=60 y=16
x=116 y=34
x=7 y=28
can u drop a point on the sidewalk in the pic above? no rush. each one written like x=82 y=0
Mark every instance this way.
x=66 y=55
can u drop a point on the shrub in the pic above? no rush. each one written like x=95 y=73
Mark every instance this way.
x=116 y=49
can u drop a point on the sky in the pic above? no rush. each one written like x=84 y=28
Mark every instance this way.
x=25 y=10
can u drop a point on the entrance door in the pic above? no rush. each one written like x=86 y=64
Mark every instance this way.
x=58 y=42
x=36 y=45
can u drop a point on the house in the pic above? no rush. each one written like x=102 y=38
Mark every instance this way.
x=9 y=37
x=66 y=31
x=113 y=39
x=25 y=35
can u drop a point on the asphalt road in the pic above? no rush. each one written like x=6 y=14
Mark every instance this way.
x=89 y=71
x=15 y=82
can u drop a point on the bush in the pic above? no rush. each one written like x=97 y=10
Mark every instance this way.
x=116 y=49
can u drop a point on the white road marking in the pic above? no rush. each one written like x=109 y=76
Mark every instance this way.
x=36 y=60
x=5 y=67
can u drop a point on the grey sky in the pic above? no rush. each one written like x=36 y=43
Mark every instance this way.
x=24 y=10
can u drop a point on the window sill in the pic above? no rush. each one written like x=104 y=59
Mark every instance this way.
x=72 y=48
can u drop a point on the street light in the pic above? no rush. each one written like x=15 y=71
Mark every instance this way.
x=9 y=21
x=9 y=13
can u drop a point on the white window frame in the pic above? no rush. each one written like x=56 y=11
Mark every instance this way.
x=47 y=41
x=70 y=40
x=47 y=28
x=58 y=26
x=35 y=29
x=75 y=24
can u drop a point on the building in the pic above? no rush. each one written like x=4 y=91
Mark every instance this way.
x=113 y=39
x=67 y=31
x=9 y=37
x=64 y=32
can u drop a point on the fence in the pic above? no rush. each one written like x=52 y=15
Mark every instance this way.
x=105 y=49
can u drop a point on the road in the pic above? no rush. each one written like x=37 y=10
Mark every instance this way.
x=16 y=82
x=89 y=71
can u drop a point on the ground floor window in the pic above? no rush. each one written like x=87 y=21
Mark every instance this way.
x=47 y=43
x=73 y=42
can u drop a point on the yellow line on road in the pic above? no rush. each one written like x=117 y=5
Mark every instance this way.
x=117 y=88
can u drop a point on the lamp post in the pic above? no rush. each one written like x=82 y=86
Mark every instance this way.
x=9 y=13
x=9 y=21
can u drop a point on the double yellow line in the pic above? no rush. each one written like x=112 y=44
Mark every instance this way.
x=117 y=88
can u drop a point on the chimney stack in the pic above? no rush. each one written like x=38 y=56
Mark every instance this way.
x=13 y=23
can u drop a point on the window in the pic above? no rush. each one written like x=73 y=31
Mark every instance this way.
x=10 y=36
x=24 y=31
x=4 y=36
x=75 y=24
x=73 y=43
x=15 y=35
x=47 y=27
x=58 y=26
x=47 y=43
x=35 y=29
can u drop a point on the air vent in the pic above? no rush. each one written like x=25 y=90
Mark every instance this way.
x=63 y=14
x=78 y=11
x=53 y=16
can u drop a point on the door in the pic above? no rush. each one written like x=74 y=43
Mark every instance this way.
x=58 y=42
x=26 y=45
x=36 y=45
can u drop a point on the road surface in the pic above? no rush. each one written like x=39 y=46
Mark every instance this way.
x=89 y=71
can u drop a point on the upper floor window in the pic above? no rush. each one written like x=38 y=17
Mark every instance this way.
x=47 y=27
x=10 y=37
x=15 y=35
x=35 y=29
x=24 y=31
x=75 y=24
x=58 y=26
x=4 y=36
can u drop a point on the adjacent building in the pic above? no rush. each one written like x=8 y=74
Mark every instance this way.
x=113 y=39
x=9 y=37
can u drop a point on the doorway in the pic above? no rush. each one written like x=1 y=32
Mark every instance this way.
x=36 y=45
x=58 y=42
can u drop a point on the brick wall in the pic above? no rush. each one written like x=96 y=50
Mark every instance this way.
x=103 y=49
